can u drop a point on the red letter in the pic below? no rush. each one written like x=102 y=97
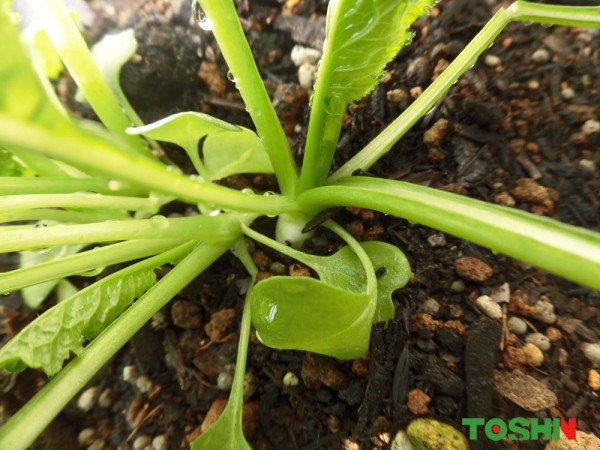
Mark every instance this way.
x=569 y=428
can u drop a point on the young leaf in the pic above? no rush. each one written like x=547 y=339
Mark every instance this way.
x=344 y=269
x=228 y=149
x=302 y=313
x=49 y=340
x=362 y=36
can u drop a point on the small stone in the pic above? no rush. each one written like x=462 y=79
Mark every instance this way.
x=590 y=127
x=105 y=399
x=540 y=56
x=563 y=356
x=431 y=434
x=473 y=269
x=278 y=268
x=534 y=355
x=219 y=324
x=553 y=334
x=457 y=286
x=594 y=379
x=141 y=442
x=517 y=325
x=489 y=307
x=307 y=76
x=504 y=199
x=144 y=384
x=290 y=379
x=250 y=384
x=588 y=165
x=437 y=240
x=539 y=340
x=159 y=442
x=492 y=60
x=434 y=136
x=592 y=352
x=501 y=294
x=584 y=441
x=524 y=390
x=568 y=324
x=298 y=270
x=211 y=75
x=544 y=311
x=528 y=191
x=514 y=357
x=418 y=402
x=567 y=93
x=401 y=442
x=430 y=306
x=304 y=55
x=86 y=437
x=225 y=380
x=415 y=92
x=87 y=399
x=398 y=96
x=186 y=314
x=130 y=374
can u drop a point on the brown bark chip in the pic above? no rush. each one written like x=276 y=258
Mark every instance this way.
x=473 y=269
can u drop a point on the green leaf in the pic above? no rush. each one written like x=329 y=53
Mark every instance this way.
x=362 y=36
x=225 y=434
x=35 y=295
x=229 y=153
x=228 y=149
x=49 y=340
x=302 y=313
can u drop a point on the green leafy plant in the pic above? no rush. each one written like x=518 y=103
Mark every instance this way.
x=83 y=184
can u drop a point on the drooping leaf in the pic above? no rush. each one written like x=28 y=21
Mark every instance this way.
x=228 y=149
x=49 y=340
x=302 y=313
x=362 y=36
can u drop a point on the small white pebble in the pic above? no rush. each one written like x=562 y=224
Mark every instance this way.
x=130 y=374
x=250 y=384
x=401 y=442
x=141 y=442
x=437 y=240
x=539 y=340
x=501 y=294
x=489 y=307
x=86 y=437
x=144 y=384
x=159 y=442
x=540 y=56
x=590 y=127
x=397 y=96
x=517 y=325
x=87 y=399
x=430 y=306
x=225 y=380
x=534 y=355
x=105 y=398
x=567 y=93
x=588 y=165
x=306 y=76
x=544 y=312
x=290 y=379
x=592 y=352
x=492 y=60
x=302 y=55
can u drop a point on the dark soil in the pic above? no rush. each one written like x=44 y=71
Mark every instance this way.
x=510 y=132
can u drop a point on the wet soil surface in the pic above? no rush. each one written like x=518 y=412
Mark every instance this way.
x=476 y=334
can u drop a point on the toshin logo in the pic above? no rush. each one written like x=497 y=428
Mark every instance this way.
x=521 y=428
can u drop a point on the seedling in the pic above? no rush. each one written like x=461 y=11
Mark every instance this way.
x=83 y=185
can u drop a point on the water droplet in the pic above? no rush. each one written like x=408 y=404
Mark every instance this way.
x=247 y=191
x=269 y=193
x=173 y=169
x=114 y=185
x=214 y=213
x=231 y=77
x=160 y=221
x=40 y=225
x=4 y=293
x=201 y=18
